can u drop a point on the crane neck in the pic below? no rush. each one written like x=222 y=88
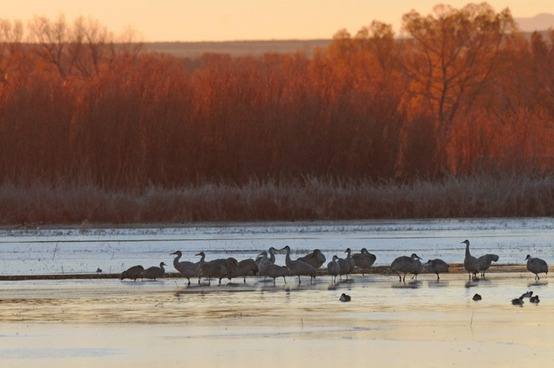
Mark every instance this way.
x=468 y=254
x=287 y=258
x=176 y=259
x=271 y=256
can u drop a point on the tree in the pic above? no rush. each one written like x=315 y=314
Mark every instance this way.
x=11 y=34
x=451 y=56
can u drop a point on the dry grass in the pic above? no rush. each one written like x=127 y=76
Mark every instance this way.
x=310 y=199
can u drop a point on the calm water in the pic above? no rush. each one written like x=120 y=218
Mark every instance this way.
x=52 y=251
x=108 y=323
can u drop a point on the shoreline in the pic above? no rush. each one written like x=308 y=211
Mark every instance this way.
x=455 y=268
x=250 y=223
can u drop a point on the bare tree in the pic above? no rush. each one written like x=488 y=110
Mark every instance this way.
x=11 y=34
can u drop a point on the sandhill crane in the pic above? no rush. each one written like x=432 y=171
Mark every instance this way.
x=535 y=299
x=272 y=252
x=333 y=268
x=274 y=271
x=476 y=297
x=231 y=267
x=517 y=301
x=437 y=266
x=406 y=265
x=364 y=260
x=154 y=272
x=350 y=260
x=187 y=269
x=343 y=267
x=246 y=267
x=133 y=273
x=267 y=268
x=315 y=258
x=471 y=264
x=299 y=268
x=262 y=257
x=536 y=266
x=218 y=268
x=485 y=262
x=346 y=264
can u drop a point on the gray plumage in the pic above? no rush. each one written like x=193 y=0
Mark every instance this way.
x=437 y=266
x=346 y=264
x=133 y=273
x=407 y=265
x=298 y=268
x=154 y=272
x=187 y=269
x=274 y=271
x=364 y=260
x=333 y=268
x=471 y=264
x=536 y=266
x=315 y=258
x=485 y=262
x=217 y=268
x=246 y=267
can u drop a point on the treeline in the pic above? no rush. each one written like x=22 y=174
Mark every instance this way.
x=463 y=92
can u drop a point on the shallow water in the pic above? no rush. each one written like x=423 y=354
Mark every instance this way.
x=54 y=251
x=108 y=323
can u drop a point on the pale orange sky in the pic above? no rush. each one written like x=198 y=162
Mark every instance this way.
x=200 y=20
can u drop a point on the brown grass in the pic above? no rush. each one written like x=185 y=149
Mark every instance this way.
x=310 y=199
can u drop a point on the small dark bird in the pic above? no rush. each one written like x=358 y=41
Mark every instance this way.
x=526 y=295
x=344 y=298
x=517 y=301
x=535 y=299
x=477 y=297
x=98 y=270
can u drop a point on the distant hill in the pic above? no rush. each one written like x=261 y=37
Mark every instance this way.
x=539 y=22
x=257 y=48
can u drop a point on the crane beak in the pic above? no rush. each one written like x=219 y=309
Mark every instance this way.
x=173 y=254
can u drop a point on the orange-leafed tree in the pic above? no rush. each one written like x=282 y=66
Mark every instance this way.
x=451 y=56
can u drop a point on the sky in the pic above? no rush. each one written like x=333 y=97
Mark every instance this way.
x=217 y=20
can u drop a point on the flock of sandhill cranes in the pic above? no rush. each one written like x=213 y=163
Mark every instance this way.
x=308 y=265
